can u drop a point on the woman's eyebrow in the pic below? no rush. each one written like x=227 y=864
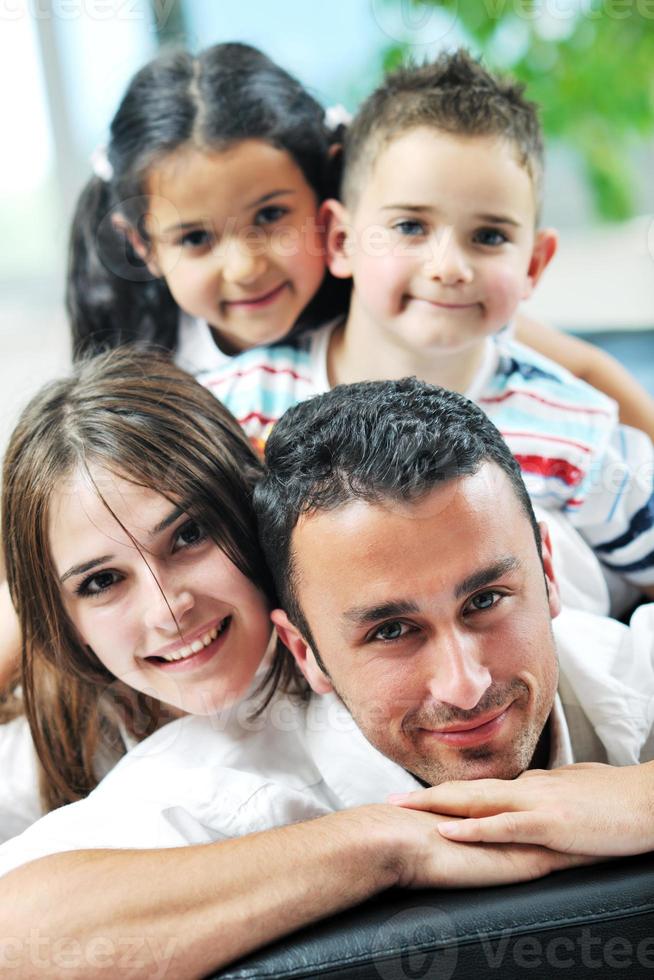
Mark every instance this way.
x=85 y=567
x=167 y=521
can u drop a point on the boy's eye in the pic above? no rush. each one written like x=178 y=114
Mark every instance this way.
x=189 y=534
x=98 y=584
x=391 y=631
x=410 y=228
x=490 y=236
x=197 y=238
x=270 y=214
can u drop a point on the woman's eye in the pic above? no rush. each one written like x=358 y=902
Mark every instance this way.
x=410 y=229
x=391 y=631
x=97 y=584
x=189 y=534
x=270 y=214
x=198 y=238
x=484 y=601
x=490 y=236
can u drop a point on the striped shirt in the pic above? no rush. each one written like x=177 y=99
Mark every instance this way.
x=574 y=454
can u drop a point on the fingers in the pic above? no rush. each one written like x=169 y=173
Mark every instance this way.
x=476 y=798
x=503 y=828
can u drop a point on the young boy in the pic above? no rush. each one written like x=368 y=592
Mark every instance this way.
x=438 y=228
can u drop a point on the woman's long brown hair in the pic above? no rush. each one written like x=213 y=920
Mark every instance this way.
x=137 y=415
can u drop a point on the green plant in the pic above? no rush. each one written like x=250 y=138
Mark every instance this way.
x=588 y=63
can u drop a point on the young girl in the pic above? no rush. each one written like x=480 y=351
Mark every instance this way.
x=201 y=234
x=133 y=562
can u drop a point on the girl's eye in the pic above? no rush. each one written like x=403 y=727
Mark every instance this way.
x=98 y=584
x=198 y=238
x=189 y=534
x=484 y=601
x=391 y=631
x=270 y=214
x=490 y=236
x=409 y=228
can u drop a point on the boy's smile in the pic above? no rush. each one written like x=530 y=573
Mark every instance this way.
x=441 y=243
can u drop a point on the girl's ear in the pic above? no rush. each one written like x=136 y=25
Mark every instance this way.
x=141 y=248
x=335 y=218
x=304 y=656
x=545 y=246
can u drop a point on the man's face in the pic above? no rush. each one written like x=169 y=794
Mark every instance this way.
x=433 y=622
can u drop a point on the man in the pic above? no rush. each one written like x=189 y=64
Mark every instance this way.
x=419 y=594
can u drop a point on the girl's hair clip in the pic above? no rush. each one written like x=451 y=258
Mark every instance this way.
x=100 y=164
x=337 y=115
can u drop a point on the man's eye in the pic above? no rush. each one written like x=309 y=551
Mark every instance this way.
x=198 y=238
x=98 y=584
x=189 y=534
x=410 y=229
x=270 y=214
x=484 y=601
x=391 y=631
x=490 y=236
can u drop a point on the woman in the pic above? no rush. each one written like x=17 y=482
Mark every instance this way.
x=134 y=566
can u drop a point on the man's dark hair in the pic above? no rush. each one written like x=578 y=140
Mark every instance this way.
x=454 y=94
x=371 y=441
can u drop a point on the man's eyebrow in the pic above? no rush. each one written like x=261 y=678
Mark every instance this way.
x=484 y=576
x=361 y=615
x=86 y=566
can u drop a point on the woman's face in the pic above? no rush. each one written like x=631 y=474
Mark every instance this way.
x=176 y=620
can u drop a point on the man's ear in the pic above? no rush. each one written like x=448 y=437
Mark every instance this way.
x=142 y=249
x=304 y=657
x=545 y=247
x=553 y=595
x=335 y=218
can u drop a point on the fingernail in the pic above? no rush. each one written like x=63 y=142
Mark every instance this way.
x=397 y=798
x=449 y=827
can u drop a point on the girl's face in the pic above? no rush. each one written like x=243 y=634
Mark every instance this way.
x=130 y=608
x=234 y=234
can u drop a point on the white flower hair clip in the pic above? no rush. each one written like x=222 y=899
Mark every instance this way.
x=100 y=164
x=337 y=115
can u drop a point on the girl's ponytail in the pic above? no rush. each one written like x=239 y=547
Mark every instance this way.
x=111 y=297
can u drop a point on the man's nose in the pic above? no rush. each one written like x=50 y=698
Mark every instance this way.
x=459 y=678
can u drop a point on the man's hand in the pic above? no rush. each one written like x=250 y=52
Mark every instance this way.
x=588 y=808
x=425 y=859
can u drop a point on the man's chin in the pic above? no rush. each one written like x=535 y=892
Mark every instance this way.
x=484 y=765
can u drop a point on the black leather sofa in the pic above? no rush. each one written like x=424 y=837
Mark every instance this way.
x=596 y=921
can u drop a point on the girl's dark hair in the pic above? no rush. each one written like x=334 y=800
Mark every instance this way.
x=227 y=93
x=147 y=421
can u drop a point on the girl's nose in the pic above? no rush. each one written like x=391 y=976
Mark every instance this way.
x=243 y=262
x=166 y=606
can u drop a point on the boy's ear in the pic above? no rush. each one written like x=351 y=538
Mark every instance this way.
x=553 y=594
x=335 y=218
x=545 y=246
x=142 y=249
x=304 y=656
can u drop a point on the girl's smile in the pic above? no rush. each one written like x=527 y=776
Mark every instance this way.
x=234 y=233
x=152 y=596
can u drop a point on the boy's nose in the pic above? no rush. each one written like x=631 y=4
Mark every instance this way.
x=242 y=262
x=446 y=260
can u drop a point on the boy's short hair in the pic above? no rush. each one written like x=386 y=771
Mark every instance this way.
x=454 y=94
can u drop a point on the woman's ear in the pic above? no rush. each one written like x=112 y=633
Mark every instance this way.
x=335 y=218
x=142 y=249
x=304 y=655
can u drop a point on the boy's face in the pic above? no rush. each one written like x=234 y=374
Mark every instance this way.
x=442 y=241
